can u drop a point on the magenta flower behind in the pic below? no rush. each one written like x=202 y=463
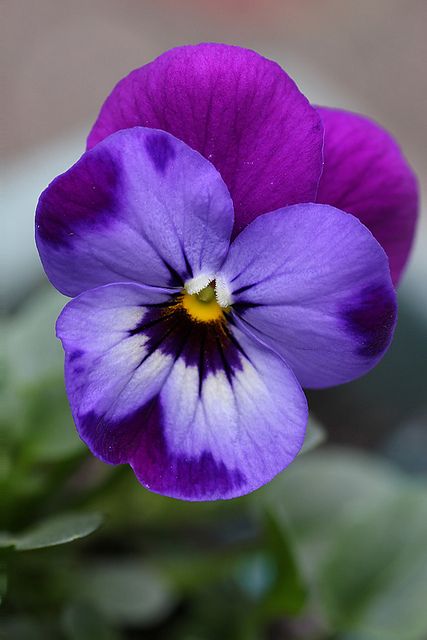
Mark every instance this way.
x=216 y=270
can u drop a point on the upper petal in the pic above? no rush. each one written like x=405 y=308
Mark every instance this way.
x=199 y=415
x=142 y=206
x=366 y=174
x=238 y=109
x=313 y=283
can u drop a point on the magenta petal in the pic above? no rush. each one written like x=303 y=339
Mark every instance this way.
x=239 y=110
x=366 y=174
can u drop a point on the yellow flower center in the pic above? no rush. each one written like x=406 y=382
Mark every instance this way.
x=203 y=306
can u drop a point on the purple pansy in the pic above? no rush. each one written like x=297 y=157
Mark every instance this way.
x=196 y=320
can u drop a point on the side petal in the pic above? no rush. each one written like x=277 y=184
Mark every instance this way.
x=197 y=419
x=239 y=110
x=366 y=174
x=109 y=367
x=142 y=206
x=312 y=283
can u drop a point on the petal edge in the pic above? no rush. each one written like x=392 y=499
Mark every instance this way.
x=238 y=109
x=366 y=174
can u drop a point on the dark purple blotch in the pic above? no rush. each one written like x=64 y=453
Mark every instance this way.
x=160 y=150
x=210 y=346
x=371 y=317
x=139 y=439
x=73 y=361
x=81 y=197
x=75 y=355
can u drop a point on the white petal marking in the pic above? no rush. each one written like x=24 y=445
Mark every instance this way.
x=195 y=285
x=223 y=292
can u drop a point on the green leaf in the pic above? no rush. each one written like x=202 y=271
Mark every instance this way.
x=35 y=418
x=32 y=350
x=82 y=622
x=126 y=592
x=3 y=584
x=288 y=592
x=361 y=530
x=374 y=580
x=315 y=435
x=6 y=540
x=56 y=530
x=23 y=627
x=50 y=434
x=315 y=493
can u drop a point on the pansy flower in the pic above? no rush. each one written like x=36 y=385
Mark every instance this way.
x=210 y=281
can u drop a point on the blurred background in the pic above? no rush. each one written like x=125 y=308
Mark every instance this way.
x=333 y=549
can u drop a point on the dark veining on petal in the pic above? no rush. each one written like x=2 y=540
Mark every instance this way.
x=82 y=197
x=237 y=292
x=371 y=318
x=139 y=439
x=206 y=345
x=187 y=265
x=175 y=279
x=79 y=370
x=160 y=150
x=241 y=307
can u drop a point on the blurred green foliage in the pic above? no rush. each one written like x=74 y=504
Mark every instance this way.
x=334 y=548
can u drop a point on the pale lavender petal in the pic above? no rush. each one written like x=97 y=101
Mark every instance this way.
x=199 y=414
x=239 y=110
x=366 y=174
x=313 y=283
x=109 y=368
x=142 y=206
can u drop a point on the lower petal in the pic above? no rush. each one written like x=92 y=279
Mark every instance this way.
x=227 y=437
x=199 y=416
